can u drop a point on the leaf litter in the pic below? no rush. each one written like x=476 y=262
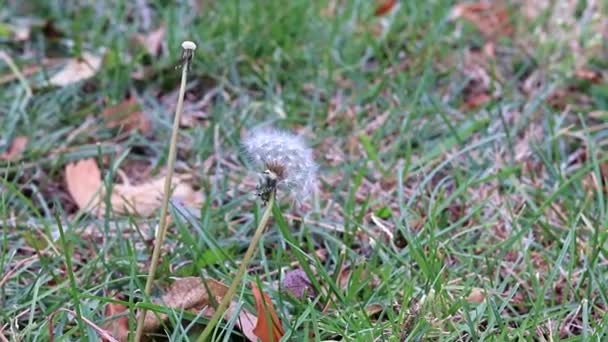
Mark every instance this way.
x=16 y=148
x=152 y=41
x=190 y=293
x=85 y=185
x=127 y=115
x=77 y=69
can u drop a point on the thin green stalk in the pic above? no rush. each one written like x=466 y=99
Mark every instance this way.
x=162 y=227
x=70 y=271
x=219 y=311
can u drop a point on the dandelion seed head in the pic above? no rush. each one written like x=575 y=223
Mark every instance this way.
x=287 y=156
x=188 y=45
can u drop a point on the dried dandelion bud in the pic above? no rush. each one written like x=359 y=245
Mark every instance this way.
x=285 y=161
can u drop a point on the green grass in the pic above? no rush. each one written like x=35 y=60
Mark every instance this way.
x=502 y=199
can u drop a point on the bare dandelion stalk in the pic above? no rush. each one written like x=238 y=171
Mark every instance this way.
x=187 y=53
x=288 y=165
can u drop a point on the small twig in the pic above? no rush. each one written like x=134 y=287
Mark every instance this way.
x=236 y=281
x=187 y=53
x=17 y=266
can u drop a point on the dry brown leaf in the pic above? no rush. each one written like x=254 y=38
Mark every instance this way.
x=246 y=322
x=186 y=293
x=14 y=151
x=490 y=17
x=145 y=199
x=118 y=327
x=297 y=282
x=152 y=41
x=127 y=115
x=373 y=309
x=474 y=101
x=267 y=331
x=77 y=69
x=477 y=295
x=83 y=180
x=191 y=293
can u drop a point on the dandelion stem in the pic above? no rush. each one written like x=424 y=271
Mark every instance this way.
x=162 y=226
x=219 y=311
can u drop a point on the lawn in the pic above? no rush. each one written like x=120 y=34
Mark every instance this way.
x=461 y=190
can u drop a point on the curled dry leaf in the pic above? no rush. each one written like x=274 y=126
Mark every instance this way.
x=15 y=149
x=77 y=69
x=128 y=116
x=83 y=179
x=297 y=282
x=268 y=327
x=191 y=293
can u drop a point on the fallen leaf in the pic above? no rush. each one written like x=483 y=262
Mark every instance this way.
x=84 y=184
x=127 y=115
x=152 y=41
x=476 y=100
x=191 y=293
x=297 y=282
x=83 y=180
x=186 y=293
x=477 y=295
x=15 y=149
x=373 y=309
x=384 y=7
x=590 y=75
x=267 y=331
x=356 y=275
x=117 y=327
x=77 y=69
x=145 y=199
x=29 y=70
x=490 y=17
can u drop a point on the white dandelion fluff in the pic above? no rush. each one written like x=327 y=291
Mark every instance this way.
x=285 y=160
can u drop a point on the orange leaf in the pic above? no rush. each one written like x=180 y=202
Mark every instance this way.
x=490 y=18
x=83 y=179
x=118 y=327
x=265 y=330
x=475 y=100
x=384 y=7
x=476 y=296
x=127 y=115
x=15 y=150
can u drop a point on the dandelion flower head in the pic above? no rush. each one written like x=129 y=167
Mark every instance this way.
x=285 y=155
